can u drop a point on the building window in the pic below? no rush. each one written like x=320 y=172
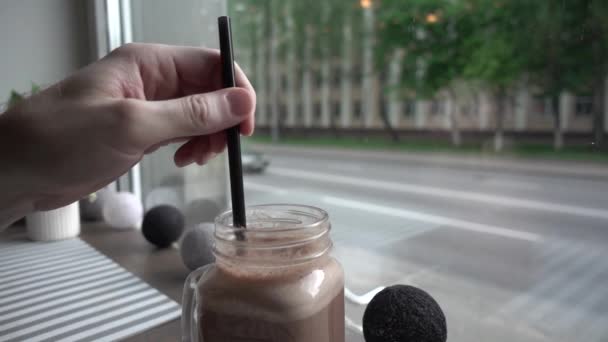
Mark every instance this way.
x=336 y=78
x=540 y=106
x=436 y=107
x=409 y=108
x=283 y=114
x=584 y=105
x=317 y=115
x=356 y=75
x=335 y=109
x=299 y=119
x=357 y=110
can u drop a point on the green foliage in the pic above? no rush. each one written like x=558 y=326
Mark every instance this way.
x=35 y=88
x=497 y=36
x=560 y=50
x=16 y=97
x=318 y=23
x=556 y=45
x=559 y=44
x=431 y=33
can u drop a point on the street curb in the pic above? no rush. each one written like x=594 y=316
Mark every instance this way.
x=505 y=164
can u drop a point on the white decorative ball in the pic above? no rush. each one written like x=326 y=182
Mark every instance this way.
x=196 y=246
x=123 y=211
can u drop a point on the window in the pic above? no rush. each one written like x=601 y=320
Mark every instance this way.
x=409 y=109
x=512 y=246
x=584 y=105
x=317 y=114
x=541 y=107
x=337 y=76
x=357 y=111
x=499 y=212
x=199 y=192
x=335 y=110
x=437 y=107
x=283 y=117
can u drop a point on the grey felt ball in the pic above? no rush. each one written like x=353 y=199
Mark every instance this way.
x=196 y=246
x=406 y=314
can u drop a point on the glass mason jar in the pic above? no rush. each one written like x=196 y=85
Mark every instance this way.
x=274 y=281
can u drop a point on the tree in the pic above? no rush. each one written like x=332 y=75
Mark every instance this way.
x=595 y=33
x=568 y=51
x=250 y=34
x=423 y=49
x=432 y=34
x=558 y=45
x=549 y=59
x=496 y=37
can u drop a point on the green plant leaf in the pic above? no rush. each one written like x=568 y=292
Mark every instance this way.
x=14 y=98
x=35 y=88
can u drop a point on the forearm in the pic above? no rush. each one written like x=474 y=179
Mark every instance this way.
x=16 y=199
x=11 y=210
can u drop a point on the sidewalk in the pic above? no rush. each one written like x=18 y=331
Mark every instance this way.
x=463 y=161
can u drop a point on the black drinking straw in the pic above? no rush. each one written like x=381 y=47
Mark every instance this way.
x=233 y=134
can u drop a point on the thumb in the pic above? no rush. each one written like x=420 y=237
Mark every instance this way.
x=199 y=114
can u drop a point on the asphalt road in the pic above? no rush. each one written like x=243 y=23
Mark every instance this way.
x=512 y=251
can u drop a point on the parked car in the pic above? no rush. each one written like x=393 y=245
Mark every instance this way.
x=254 y=161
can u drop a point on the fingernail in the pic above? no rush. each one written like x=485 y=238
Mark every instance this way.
x=239 y=101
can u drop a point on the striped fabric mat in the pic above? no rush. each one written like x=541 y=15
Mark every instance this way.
x=68 y=291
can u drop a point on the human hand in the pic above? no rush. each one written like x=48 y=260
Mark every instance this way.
x=84 y=132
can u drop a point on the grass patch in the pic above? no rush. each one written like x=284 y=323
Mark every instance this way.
x=523 y=150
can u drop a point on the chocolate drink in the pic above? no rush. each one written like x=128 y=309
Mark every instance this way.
x=303 y=303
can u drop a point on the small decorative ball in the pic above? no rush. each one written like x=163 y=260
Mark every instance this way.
x=163 y=225
x=123 y=210
x=196 y=246
x=406 y=314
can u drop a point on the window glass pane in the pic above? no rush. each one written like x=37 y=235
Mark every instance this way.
x=200 y=192
x=458 y=146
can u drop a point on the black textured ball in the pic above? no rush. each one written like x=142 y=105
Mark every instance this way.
x=163 y=225
x=403 y=313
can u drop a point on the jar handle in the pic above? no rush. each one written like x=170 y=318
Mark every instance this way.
x=190 y=302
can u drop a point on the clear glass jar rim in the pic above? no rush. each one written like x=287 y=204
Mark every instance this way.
x=318 y=216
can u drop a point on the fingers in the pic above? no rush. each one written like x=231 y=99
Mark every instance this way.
x=155 y=147
x=184 y=83
x=193 y=115
x=241 y=79
x=200 y=69
x=188 y=61
x=200 y=149
x=248 y=125
x=174 y=71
